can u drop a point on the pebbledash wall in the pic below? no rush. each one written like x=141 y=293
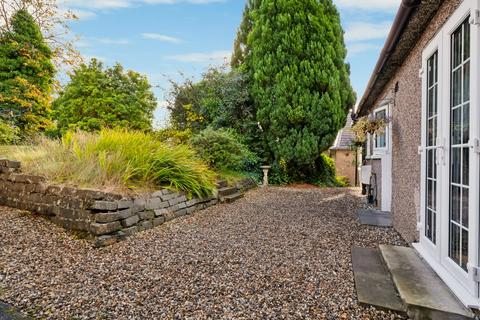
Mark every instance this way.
x=406 y=130
x=108 y=217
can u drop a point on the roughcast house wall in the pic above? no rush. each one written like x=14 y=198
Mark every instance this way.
x=406 y=129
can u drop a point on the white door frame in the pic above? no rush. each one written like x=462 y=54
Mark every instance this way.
x=461 y=282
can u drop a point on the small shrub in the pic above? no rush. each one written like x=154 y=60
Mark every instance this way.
x=326 y=172
x=223 y=150
x=278 y=174
x=8 y=134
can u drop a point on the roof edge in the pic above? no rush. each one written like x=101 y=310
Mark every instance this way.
x=407 y=7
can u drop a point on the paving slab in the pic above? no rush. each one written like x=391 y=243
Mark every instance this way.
x=374 y=217
x=373 y=282
x=425 y=295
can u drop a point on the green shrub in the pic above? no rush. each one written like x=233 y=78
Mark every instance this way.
x=8 y=134
x=223 y=150
x=327 y=173
x=118 y=159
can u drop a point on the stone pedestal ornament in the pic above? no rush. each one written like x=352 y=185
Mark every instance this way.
x=265 y=175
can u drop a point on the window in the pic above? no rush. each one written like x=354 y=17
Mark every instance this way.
x=381 y=138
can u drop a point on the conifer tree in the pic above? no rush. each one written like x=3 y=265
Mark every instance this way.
x=240 y=46
x=26 y=75
x=301 y=83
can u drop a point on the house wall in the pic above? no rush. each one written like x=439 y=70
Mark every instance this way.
x=406 y=130
x=345 y=164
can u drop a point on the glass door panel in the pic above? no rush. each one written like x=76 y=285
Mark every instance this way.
x=459 y=145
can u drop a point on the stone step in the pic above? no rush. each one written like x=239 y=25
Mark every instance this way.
x=374 y=217
x=231 y=198
x=424 y=294
x=223 y=192
x=222 y=184
x=373 y=282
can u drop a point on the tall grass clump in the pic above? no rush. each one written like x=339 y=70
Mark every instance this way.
x=118 y=159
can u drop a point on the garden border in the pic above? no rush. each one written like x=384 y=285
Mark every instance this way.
x=106 y=217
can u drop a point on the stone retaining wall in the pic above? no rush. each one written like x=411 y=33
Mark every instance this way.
x=107 y=217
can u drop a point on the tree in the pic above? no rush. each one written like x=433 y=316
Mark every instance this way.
x=26 y=75
x=240 y=45
x=219 y=100
x=301 y=82
x=53 y=23
x=99 y=98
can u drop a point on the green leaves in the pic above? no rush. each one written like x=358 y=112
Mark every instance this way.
x=26 y=76
x=99 y=98
x=300 y=80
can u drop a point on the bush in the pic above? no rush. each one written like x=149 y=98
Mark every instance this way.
x=118 y=159
x=223 y=150
x=327 y=173
x=8 y=134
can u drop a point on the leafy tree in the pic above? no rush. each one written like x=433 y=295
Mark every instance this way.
x=99 y=98
x=301 y=81
x=53 y=22
x=26 y=75
x=8 y=134
x=220 y=100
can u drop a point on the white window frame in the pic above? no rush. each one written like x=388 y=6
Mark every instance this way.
x=372 y=151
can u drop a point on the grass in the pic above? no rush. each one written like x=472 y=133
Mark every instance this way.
x=116 y=160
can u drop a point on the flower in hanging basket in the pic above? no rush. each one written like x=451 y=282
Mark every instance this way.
x=369 y=125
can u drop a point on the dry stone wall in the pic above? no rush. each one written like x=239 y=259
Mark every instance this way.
x=107 y=217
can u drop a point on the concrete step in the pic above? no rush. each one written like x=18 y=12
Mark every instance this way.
x=231 y=198
x=373 y=282
x=424 y=294
x=222 y=184
x=223 y=192
x=374 y=217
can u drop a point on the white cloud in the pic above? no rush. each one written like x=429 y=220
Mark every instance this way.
x=371 y=5
x=360 y=31
x=355 y=48
x=112 y=41
x=198 y=57
x=115 y=4
x=161 y=37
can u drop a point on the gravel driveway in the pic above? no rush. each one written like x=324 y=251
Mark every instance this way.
x=280 y=253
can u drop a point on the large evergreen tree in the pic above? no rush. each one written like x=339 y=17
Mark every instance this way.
x=26 y=75
x=301 y=83
x=97 y=98
x=240 y=45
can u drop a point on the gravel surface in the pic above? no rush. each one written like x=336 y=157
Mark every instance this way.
x=280 y=253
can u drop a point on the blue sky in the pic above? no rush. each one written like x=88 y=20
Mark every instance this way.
x=163 y=38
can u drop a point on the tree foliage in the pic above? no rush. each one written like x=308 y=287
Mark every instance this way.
x=221 y=99
x=300 y=79
x=240 y=45
x=26 y=75
x=53 y=22
x=99 y=97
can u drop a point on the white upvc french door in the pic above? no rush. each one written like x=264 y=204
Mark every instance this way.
x=450 y=210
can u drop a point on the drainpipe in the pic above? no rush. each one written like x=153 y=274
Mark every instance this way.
x=407 y=7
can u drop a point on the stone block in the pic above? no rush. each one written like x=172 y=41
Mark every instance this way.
x=180 y=213
x=181 y=205
x=160 y=212
x=147 y=225
x=169 y=196
x=158 y=221
x=156 y=203
x=106 y=217
x=146 y=215
x=105 y=228
x=130 y=231
x=177 y=200
x=104 y=241
x=125 y=204
x=130 y=221
x=10 y=164
x=191 y=210
x=140 y=202
x=40 y=188
x=104 y=206
x=54 y=190
x=191 y=203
